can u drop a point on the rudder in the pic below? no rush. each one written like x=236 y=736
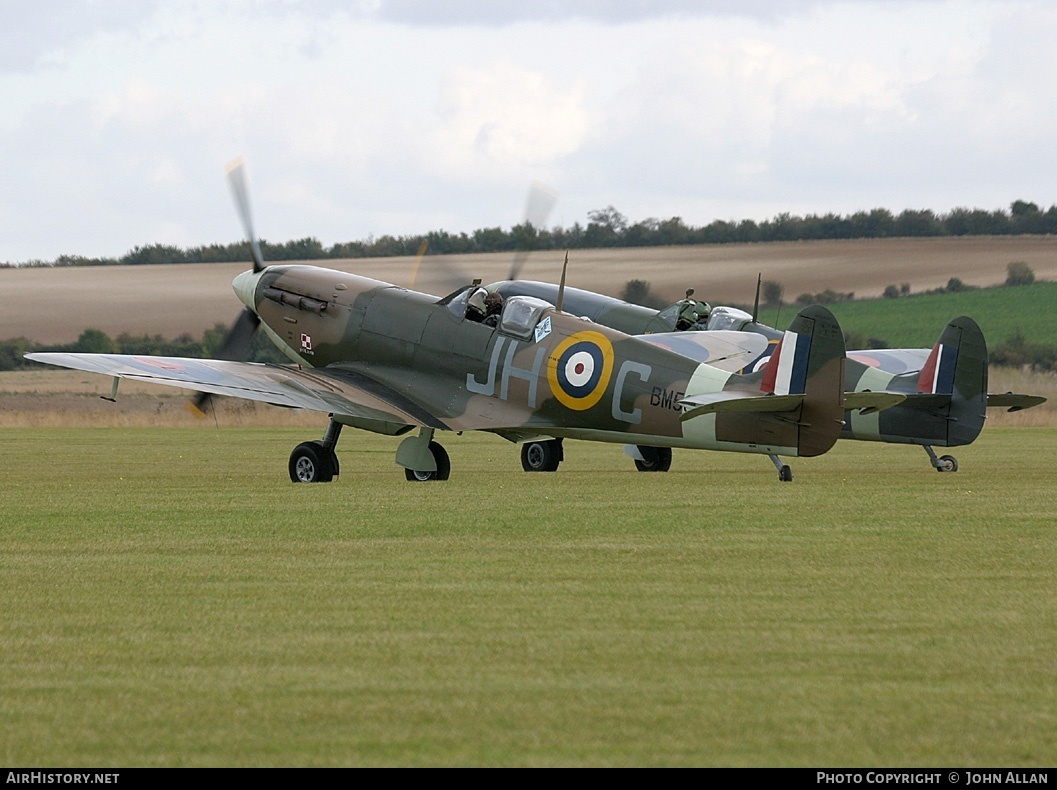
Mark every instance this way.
x=808 y=360
x=957 y=366
x=822 y=415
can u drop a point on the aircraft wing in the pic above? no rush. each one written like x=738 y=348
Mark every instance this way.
x=343 y=393
x=726 y=350
x=896 y=361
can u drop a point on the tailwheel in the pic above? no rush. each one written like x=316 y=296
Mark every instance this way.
x=440 y=456
x=311 y=462
x=944 y=463
x=654 y=459
x=785 y=473
x=948 y=463
x=542 y=456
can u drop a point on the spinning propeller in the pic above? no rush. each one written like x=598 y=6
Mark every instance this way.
x=237 y=342
x=541 y=200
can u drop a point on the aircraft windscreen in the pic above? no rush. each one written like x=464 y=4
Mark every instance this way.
x=456 y=302
x=669 y=314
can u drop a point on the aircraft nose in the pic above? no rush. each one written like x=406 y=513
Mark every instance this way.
x=245 y=286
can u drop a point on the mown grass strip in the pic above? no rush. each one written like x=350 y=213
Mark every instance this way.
x=171 y=599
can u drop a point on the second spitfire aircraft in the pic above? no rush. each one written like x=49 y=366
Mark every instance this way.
x=390 y=360
x=944 y=389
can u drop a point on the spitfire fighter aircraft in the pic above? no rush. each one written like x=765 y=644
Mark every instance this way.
x=382 y=358
x=944 y=389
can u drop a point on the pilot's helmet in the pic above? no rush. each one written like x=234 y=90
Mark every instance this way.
x=476 y=301
x=494 y=302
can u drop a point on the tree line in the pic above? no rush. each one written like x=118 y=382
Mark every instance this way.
x=609 y=228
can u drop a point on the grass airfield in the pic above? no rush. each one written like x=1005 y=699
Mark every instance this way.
x=171 y=599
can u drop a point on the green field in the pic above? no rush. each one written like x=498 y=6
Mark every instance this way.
x=916 y=321
x=170 y=599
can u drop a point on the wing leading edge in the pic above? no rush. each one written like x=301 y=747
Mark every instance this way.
x=279 y=385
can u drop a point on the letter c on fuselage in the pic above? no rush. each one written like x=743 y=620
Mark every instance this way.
x=643 y=372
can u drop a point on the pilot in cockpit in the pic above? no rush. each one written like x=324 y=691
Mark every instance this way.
x=476 y=307
x=493 y=306
x=693 y=314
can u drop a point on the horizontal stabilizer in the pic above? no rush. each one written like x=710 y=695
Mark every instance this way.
x=870 y=402
x=1013 y=401
x=736 y=402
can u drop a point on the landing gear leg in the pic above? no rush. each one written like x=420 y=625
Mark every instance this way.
x=316 y=462
x=330 y=443
x=945 y=463
x=785 y=474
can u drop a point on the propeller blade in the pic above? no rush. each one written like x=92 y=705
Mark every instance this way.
x=541 y=200
x=237 y=179
x=237 y=342
x=235 y=346
x=418 y=262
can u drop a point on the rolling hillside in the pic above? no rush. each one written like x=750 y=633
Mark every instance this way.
x=56 y=305
x=916 y=321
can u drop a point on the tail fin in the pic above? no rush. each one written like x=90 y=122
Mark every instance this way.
x=822 y=415
x=808 y=361
x=957 y=367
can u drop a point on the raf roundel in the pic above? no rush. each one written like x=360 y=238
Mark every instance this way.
x=579 y=369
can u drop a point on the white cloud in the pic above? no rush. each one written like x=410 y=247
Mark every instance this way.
x=397 y=117
x=506 y=118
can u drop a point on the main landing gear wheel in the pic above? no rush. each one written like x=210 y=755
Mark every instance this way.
x=440 y=455
x=654 y=459
x=542 y=456
x=311 y=462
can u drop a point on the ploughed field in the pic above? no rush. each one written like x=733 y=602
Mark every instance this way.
x=55 y=305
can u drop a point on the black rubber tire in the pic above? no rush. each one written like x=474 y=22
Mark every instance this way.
x=542 y=456
x=785 y=474
x=654 y=459
x=949 y=464
x=311 y=462
x=440 y=455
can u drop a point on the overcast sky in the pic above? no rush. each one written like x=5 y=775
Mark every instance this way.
x=359 y=119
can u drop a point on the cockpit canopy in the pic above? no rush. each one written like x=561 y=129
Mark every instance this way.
x=727 y=318
x=521 y=314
